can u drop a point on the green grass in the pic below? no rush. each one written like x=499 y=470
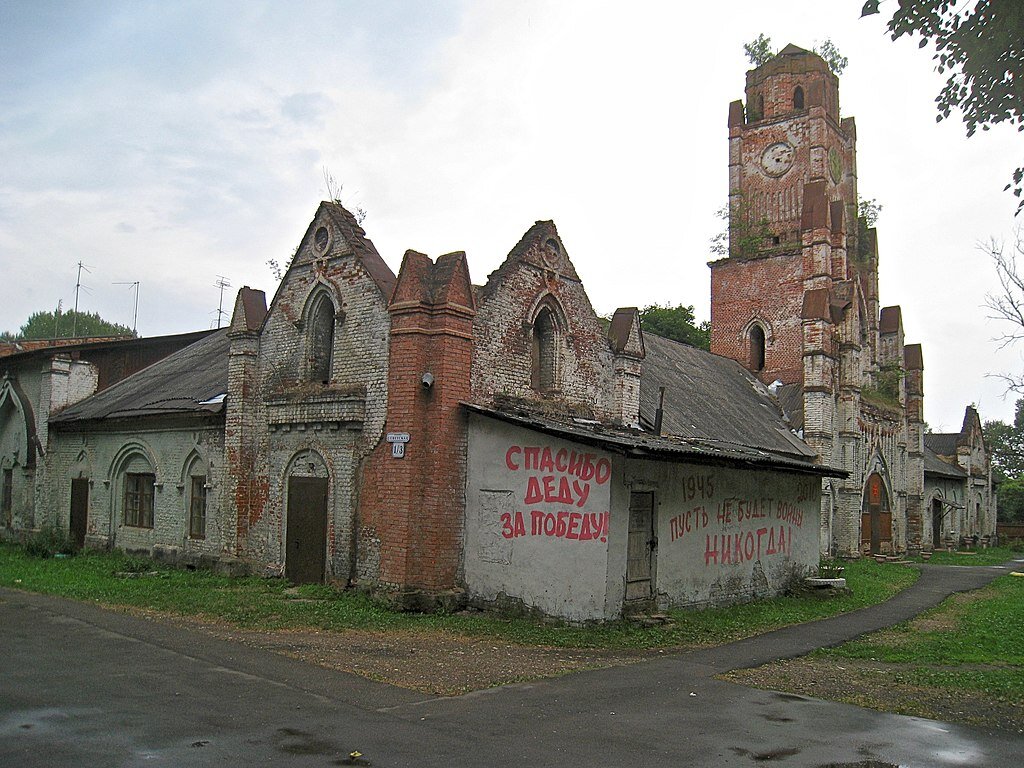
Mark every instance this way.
x=993 y=556
x=265 y=604
x=975 y=644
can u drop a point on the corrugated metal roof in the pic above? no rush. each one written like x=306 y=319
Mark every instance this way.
x=712 y=398
x=638 y=444
x=942 y=443
x=933 y=465
x=186 y=382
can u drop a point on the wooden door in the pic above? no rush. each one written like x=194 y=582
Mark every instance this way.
x=79 y=510
x=640 y=546
x=936 y=524
x=876 y=522
x=306 y=534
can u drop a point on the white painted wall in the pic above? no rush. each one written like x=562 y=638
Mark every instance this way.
x=534 y=529
x=727 y=534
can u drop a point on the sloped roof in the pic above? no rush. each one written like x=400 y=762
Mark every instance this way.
x=791 y=398
x=942 y=443
x=933 y=465
x=22 y=350
x=644 y=445
x=182 y=383
x=713 y=401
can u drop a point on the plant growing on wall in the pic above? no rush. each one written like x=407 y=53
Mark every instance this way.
x=744 y=235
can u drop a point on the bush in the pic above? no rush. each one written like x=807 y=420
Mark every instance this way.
x=49 y=541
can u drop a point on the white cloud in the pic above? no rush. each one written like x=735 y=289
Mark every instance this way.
x=169 y=147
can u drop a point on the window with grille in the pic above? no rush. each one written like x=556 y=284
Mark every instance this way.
x=138 y=499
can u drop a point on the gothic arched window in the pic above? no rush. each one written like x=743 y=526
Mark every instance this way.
x=757 y=348
x=798 y=98
x=546 y=337
x=321 y=340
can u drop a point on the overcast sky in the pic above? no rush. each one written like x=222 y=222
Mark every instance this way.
x=172 y=142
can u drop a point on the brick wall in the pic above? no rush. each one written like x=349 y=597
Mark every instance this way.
x=167 y=448
x=413 y=506
x=285 y=413
x=538 y=271
x=768 y=291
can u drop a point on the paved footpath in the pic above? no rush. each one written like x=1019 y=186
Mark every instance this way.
x=80 y=686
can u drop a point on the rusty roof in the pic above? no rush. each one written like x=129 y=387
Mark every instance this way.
x=890 y=319
x=192 y=381
x=27 y=349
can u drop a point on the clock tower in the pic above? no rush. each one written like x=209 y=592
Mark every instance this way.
x=793 y=207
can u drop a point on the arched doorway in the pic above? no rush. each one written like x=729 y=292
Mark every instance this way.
x=876 y=516
x=305 y=557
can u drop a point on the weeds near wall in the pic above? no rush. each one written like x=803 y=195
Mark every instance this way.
x=49 y=542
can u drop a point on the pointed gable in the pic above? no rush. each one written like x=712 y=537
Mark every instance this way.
x=538 y=338
x=334 y=231
x=540 y=248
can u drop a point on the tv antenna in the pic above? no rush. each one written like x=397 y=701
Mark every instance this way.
x=135 y=316
x=222 y=283
x=78 y=287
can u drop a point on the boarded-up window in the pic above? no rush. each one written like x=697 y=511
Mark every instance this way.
x=496 y=510
x=798 y=98
x=197 y=508
x=138 y=499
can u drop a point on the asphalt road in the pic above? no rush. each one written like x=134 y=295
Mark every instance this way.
x=80 y=686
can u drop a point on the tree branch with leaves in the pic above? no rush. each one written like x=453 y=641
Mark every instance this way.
x=979 y=46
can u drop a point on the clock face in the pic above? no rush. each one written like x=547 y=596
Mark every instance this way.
x=835 y=165
x=778 y=158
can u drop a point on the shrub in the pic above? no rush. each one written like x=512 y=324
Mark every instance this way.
x=49 y=541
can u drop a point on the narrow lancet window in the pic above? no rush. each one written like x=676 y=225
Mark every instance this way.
x=321 y=341
x=757 y=348
x=545 y=351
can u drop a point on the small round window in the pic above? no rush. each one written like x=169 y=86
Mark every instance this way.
x=321 y=238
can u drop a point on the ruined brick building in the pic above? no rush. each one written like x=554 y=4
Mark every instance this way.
x=797 y=302
x=501 y=443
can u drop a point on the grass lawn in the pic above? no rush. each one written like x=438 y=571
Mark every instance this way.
x=114 y=579
x=971 y=643
x=993 y=556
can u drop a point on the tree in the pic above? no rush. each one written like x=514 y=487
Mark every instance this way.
x=759 y=51
x=66 y=325
x=1005 y=443
x=676 y=323
x=1008 y=305
x=1010 y=505
x=743 y=235
x=979 y=45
